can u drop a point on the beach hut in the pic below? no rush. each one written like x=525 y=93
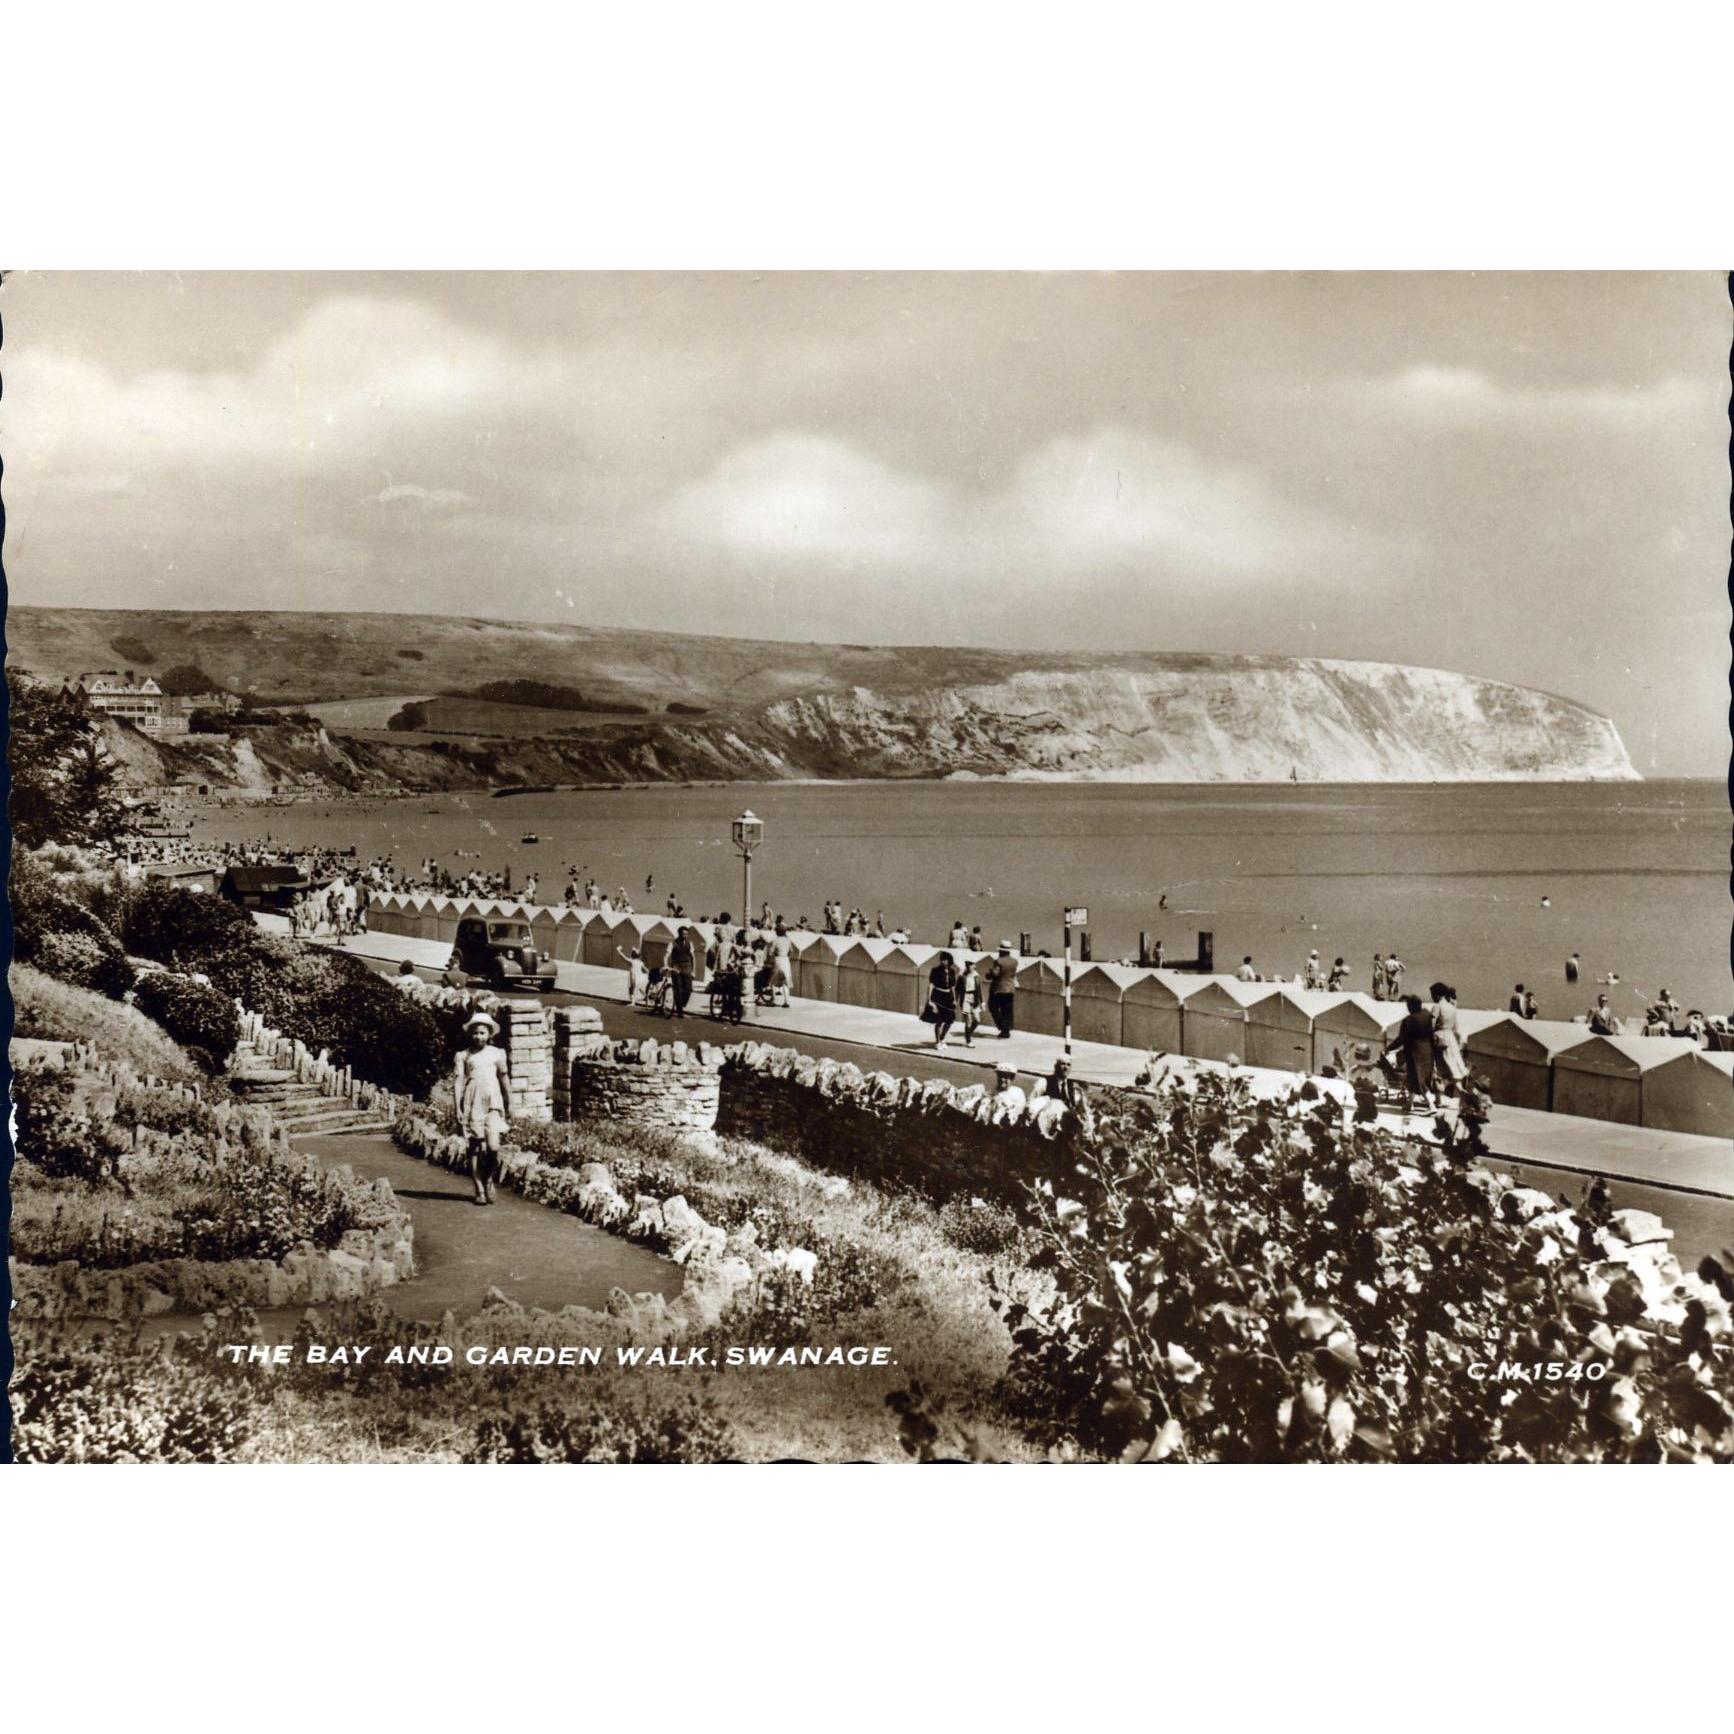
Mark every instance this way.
x=1603 y=1077
x=1515 y=1055
x=569 y=927
x=1692 y=1093
x=1098 y=996
x=444 y=914
x=1150 y=1013
x=387 y=914
x=1279 y=1031
x=816 y=968
x=544 y=928
x=858 y=971
x=1352 y=1020
x=1039 y=1004
x=1217 y=1019
x=901 y=985
x=652 y=934
x=602 y=935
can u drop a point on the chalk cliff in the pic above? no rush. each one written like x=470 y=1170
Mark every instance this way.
x=1229 y=719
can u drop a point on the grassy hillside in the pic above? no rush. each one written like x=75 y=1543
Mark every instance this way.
x=322 y=657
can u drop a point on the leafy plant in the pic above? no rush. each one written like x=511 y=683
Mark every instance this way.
x=202 y=1019
x=1237 y=1281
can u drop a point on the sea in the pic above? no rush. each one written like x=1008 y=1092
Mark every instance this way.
x=1480 y=885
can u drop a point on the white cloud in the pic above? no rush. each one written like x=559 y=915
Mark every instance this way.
x=414 y=493
x=803 y=497
x=1110 y=498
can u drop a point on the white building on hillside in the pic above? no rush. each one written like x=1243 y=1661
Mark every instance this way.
x=129 y=697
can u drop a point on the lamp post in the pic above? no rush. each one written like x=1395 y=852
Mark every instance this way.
x=748 y=831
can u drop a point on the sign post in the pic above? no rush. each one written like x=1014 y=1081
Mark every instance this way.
x=1074 y=918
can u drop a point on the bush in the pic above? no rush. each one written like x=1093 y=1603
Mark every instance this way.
x=56 y=1011
x=110 y=1399
x=1237 y=1281
x=170 y=924
x=46 y=916
x=53 y=1135
x=684 y=1429
x=200 y=1018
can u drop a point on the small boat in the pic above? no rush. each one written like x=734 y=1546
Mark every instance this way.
x=529 y=837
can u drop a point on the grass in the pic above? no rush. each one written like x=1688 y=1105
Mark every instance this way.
x=56 y=1011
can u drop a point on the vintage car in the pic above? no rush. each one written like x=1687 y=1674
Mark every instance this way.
x=501 y=953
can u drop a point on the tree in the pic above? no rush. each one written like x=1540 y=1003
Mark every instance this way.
x=65 y=784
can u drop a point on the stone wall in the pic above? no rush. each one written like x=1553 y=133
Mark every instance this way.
x=661 y=1084
x=943 y=1139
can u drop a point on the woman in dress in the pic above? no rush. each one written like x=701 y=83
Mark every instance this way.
x=942 y=982
x=1447 y=1038
x=1414 y=1046
x=480 y=1083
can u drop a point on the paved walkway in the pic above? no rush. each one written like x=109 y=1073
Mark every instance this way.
x=534 y=1255
x=1677 y=1161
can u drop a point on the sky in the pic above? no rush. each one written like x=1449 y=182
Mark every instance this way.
x=1518 y=476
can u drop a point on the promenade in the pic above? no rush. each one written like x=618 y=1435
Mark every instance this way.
x=1677 y=1162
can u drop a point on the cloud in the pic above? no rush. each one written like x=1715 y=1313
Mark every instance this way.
x=1107 y=498
x=802 y=497
x=1468 y=397
x=415 y=494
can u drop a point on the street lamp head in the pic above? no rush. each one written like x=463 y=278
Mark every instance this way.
x=749 y=830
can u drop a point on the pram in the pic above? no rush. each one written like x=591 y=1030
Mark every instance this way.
x=725 y=996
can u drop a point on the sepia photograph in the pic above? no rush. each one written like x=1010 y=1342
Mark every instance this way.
x=993 y=867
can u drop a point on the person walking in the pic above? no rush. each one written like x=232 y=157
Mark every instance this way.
x=1447 y=1038
x=1002 y=988
x=782 y=965
x=1394 y=969
x=1414 y=1047
x=1313 y=976
x=969 y=1000
x=1531 y=1006
x=959 y=939
x=942 y=982
x=480 y=1083
x=682 y=965
x=1378 y=975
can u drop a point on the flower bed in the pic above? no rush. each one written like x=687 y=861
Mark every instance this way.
x=131 y=1199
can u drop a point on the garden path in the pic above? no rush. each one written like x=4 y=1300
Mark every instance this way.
x=533 y=1255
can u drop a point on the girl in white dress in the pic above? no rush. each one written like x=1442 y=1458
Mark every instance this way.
x=482 y=1089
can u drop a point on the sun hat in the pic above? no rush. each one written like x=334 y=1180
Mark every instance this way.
x=1005 y=945
x=484 y=1020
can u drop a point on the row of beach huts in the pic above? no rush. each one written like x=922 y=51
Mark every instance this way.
x=1666 y=1082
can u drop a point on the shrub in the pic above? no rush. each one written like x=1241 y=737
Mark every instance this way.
x=56 y=1011
x=58 y=933
x=200 y=1018
x=606 y=1429
x=173 y=925
x=55 y=1136
x=1239 y=1281
x=111 y=1399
